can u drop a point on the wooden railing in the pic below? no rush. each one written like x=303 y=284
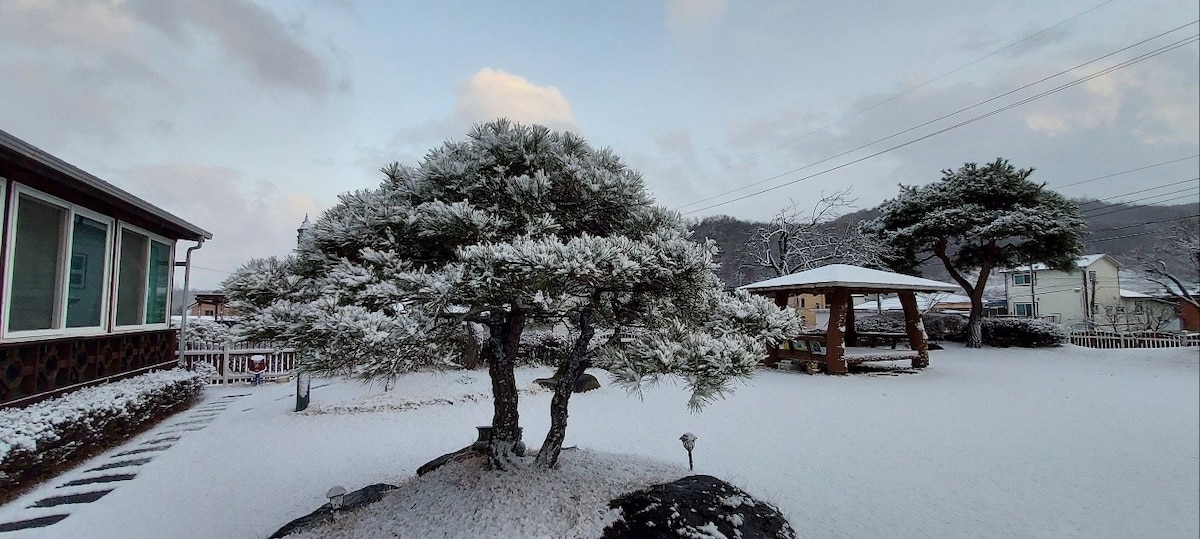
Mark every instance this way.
x=231 y=360
x=1106 y=340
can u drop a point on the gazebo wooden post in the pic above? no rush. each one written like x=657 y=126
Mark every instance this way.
x=915 y=329
x=851 y=332
x=835 y=349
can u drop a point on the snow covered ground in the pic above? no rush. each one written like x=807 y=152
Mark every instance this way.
x=1067 y=442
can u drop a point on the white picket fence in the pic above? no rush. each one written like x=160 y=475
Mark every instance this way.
x=1105 y=340
x=231 y=361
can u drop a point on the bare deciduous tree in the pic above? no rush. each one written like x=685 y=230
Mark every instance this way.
x=1175 y=260
x=797 y=239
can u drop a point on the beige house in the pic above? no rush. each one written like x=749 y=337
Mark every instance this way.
x=1089 y=296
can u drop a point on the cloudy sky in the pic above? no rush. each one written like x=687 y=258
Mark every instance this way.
x=243 y=116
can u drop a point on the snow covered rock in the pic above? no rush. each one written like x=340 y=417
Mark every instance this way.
x=352 y=501
x=696 y=506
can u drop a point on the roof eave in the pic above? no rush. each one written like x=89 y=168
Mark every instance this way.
x=66 y=169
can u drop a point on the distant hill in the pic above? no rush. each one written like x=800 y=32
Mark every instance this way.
x=1116 y=229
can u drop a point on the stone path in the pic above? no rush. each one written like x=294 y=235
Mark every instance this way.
x=91 y=484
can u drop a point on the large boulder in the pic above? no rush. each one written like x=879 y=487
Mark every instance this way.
x=696 y=506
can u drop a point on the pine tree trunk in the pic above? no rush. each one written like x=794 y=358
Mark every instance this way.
x=504 y=336
x=975 y=328
x=552 y=447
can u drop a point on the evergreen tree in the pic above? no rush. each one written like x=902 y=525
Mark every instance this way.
x=979 y=219
x=514 y=224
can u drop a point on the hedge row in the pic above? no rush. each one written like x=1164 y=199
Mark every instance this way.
x=44 y=438
x=1026 y=332
x=938 y=326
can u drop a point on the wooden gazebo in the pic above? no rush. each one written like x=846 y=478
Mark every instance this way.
x=836 y=347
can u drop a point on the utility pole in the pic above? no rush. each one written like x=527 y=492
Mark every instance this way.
x=1032 y=295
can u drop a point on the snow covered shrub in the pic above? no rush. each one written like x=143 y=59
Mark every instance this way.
x=1025 y=332
x=207 y=331
x=43 y=438
x=542 y=348
x=938 y=326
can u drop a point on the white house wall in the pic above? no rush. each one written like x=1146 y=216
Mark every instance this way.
x=1062 y=295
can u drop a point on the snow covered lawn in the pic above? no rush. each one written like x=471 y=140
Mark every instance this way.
x=1067 y=442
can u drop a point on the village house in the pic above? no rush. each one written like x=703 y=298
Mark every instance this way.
x=87 y=277
x=1087 y=297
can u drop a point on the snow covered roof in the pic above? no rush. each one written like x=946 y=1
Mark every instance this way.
x=1132 y=294
x=847 y=276
x=924 y=302
x=1082 y=262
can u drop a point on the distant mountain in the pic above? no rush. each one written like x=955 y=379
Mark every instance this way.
x=1116 y=229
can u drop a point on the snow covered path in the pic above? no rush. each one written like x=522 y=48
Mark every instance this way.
x=1067 y=442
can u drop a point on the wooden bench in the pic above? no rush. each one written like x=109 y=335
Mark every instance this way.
x=874 y=338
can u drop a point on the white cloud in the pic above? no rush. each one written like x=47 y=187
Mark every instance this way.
x=487 y=95
x=492 y=93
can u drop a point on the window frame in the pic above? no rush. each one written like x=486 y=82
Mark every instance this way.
x=116 y=276
x=62 y=285
x=1017 y=308
x=1029 y=275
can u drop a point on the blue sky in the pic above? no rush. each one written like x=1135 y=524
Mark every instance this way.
x=242 y=116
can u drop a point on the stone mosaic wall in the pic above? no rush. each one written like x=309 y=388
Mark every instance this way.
x=42 y=369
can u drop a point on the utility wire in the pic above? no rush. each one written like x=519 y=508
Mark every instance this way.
x=1139 y=200
x=1126 y=172
x=1185 y=217
x=901 y=94
x=1099 y=200
x=935 y=120
x=211 y=269
x=1105 y=71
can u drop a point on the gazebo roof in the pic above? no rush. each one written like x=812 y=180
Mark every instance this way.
x=847 y=276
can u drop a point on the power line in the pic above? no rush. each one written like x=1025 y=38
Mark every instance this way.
x=1151 y=222
x=935 y=120
x=211 y=269
x=902 y=94
x=1126 y=172
x=1099 y=200
x=1106 y=71
x=1142 y=199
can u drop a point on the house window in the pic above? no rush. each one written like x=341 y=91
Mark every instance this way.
x=209 y=312
x=1022 y=279
x=1138 y=308
x=58 y=265
x=1023 y=309
x=143 y=279
x=801 y=303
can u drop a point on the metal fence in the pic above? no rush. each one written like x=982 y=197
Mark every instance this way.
x=232 y=360
x=1106 y=340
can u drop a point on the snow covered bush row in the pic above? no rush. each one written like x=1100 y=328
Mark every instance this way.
x=938 y=326
x=207 y=331
x=44 y=437
x=542 y=348
x=1026 y=332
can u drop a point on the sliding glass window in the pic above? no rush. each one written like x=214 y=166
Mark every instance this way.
x=57 y=267
x=143 y=279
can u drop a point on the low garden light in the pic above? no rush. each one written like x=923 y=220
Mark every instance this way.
x=336 y=496
x=689 y=443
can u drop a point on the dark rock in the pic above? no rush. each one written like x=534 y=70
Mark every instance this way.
x=696 y=506
x=350 y=503
x=462 y=454
x=585 y=382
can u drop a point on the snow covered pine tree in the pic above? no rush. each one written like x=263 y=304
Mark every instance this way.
x=514 y=224
x=978 y=219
